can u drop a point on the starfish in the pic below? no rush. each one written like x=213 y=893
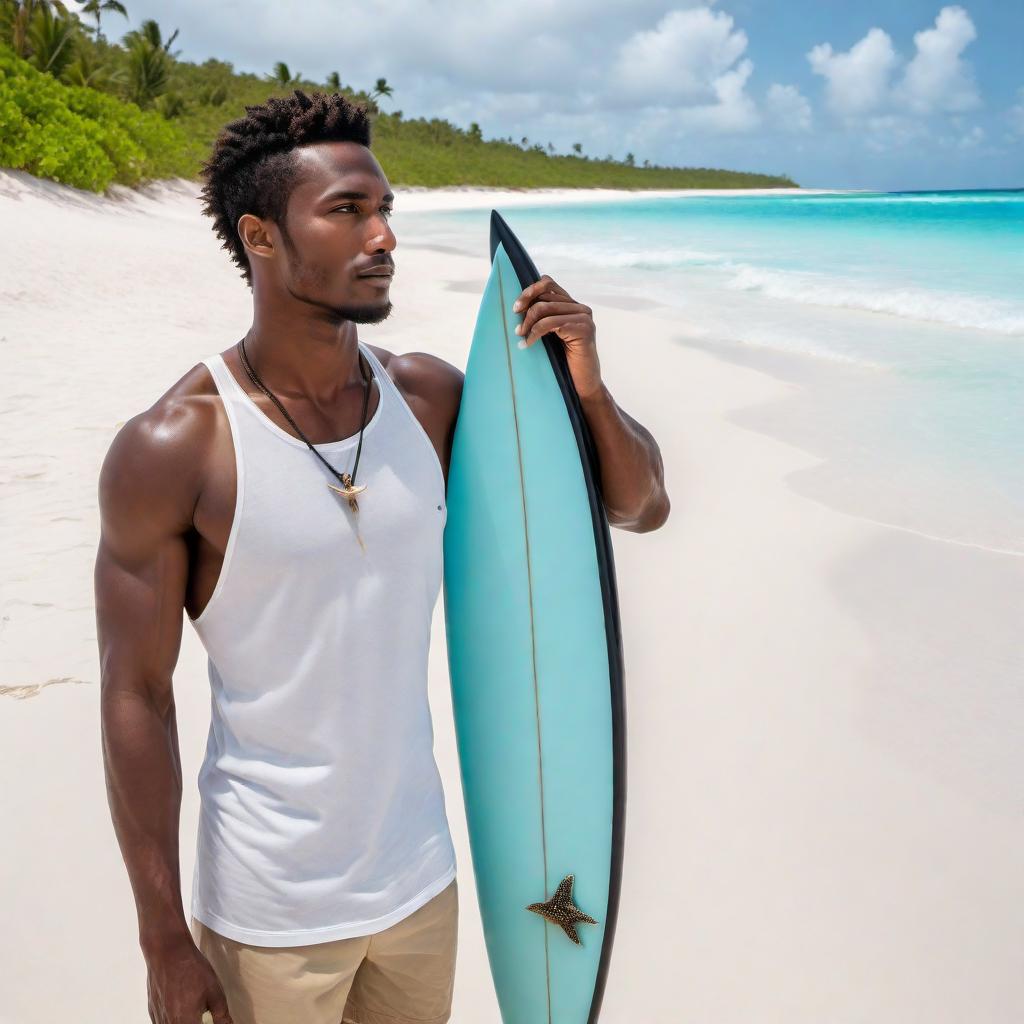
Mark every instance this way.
x=561 y=910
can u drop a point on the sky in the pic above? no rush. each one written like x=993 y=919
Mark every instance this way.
x=876 y=95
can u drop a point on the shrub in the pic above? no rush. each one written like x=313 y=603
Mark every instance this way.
x=77 y=135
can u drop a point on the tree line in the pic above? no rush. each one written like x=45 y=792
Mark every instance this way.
x=142 y=71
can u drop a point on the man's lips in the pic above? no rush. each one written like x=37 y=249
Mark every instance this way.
x=378 y=273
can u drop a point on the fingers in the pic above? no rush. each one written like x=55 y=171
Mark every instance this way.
x=531 y=292
x=546 y=311
x=548 y=325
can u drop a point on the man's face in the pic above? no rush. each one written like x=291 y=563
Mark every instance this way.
x=329 y=239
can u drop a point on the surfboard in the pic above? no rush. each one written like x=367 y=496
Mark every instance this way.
x=535 y=661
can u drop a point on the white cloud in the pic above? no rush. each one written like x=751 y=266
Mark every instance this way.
x=858 y=80
x=938 y=78
x=735 y=111
x=788 y=108
x=680 y=58
x=690 y=58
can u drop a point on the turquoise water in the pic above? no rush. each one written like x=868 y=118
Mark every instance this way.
x=949 y=257
x=912 y=302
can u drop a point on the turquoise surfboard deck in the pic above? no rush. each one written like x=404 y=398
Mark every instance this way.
x=535 y=658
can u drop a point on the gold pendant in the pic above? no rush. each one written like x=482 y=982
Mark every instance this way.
x=349 y=491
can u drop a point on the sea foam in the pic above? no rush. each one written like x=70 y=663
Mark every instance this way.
x=820 y=289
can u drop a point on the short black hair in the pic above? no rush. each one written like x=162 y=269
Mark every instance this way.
x=252 y=169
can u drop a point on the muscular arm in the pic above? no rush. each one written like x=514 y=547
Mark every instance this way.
x=632 y=471
x=633 y=475
x=433 y=389
x=147 y=491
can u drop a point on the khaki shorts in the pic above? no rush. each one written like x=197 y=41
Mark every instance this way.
x=402 y=975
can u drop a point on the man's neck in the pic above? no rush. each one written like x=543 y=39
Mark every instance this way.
x=313 y=360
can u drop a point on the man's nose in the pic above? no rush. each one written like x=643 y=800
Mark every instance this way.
x=384 y=237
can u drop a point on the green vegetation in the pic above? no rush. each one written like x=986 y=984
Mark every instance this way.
x=78 y=135
x=87 y=112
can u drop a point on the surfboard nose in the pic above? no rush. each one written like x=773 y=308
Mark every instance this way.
x=497 y=223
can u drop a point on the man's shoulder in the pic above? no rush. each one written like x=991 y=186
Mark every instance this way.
x=168 y=439
x=422 y=375
x=184 y=411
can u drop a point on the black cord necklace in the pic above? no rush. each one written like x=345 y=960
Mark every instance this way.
x=348 y=489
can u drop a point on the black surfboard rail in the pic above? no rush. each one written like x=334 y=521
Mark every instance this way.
x=527 y=274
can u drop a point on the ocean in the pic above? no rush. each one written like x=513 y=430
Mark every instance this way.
x=901 y=314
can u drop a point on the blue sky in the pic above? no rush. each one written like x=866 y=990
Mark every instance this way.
x=886 y=96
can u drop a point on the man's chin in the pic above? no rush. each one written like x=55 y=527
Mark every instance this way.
x=366 y=313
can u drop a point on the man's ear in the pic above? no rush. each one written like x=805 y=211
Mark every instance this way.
x=255 y=236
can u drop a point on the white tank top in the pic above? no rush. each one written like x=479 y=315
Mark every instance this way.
x=322 y=813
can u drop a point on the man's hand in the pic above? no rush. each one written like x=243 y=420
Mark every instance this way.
x=549 y=309
x=183 y=988
x=632 y=474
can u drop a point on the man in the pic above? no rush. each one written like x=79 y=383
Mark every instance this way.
x=325 y=883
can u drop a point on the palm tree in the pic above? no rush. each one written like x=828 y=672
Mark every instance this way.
x=282 y=76
x=16 y=18
x=577 y=148
x=94 y=7
x=381 y=89
x=88 y=70
x=52 y=38
x=334 y=81
x=149 y=31
x=149 y=69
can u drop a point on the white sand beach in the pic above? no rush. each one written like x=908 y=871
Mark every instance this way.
x=824 y=788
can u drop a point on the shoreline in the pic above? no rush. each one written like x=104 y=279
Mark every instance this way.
x=420 y=199
x=16 y=184
x=810 y=375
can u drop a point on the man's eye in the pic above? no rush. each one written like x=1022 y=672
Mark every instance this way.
x=351 y=206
